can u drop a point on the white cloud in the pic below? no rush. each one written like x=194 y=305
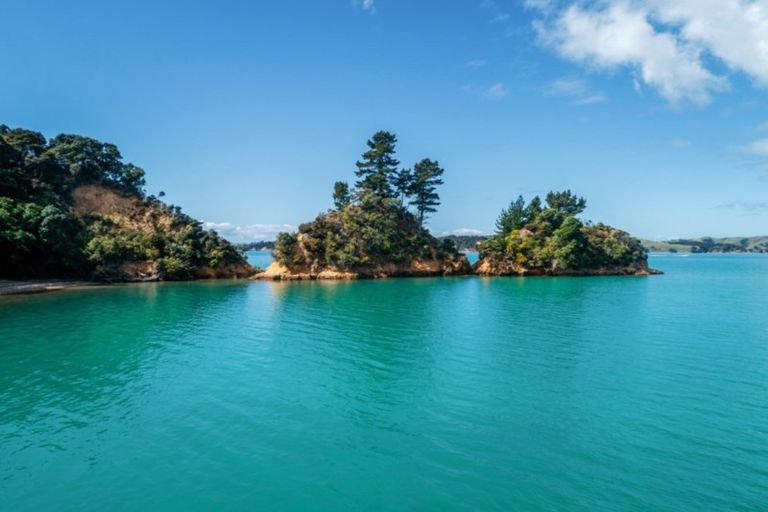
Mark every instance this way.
x=578 y=89
x=248 y=233
x=366 y=5
x=757 y=148
x=498 y=15
x=763 y=127
x=464 y=232
x=735 y=31
x=620 y=34
x=496 y=92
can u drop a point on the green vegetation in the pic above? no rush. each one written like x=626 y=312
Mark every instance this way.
x=372 y=225
x=70 y=207
x=549 y=238
x=758 y=244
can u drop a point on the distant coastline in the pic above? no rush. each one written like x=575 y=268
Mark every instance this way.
x=702 y=245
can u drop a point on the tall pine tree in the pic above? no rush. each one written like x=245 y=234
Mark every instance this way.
x=426 y=178
x=378 y=167
x=402 y=182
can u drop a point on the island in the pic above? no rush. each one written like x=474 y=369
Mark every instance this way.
x=375 y=229
x=547 y=238
x=71 y=211
x=70 y=208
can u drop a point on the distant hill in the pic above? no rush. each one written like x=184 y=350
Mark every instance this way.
x=757 y=244
x=255 y=246
x=465 y=242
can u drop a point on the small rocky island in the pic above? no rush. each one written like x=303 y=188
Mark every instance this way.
x=71 y=208
x=546 y=238
x=376 y=229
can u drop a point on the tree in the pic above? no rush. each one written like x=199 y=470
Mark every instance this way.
x=533 y=209
x=566 y=203
x=89 y=160
x=378 y=166
x=426 y=178
x=512 y=218
x=341 y=194
x=402 y=182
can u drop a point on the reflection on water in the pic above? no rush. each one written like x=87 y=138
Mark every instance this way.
x=428 y=394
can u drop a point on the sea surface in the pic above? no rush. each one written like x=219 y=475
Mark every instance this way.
x=488 y=394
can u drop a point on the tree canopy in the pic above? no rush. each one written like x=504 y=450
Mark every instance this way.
x=551 y=238
x=378 y=166
x=426 y=178
x=41 y=236
x=381 y=220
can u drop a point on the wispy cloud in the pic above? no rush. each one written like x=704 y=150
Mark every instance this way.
x=476 y=63
x=680 y=143
x=464 y=232
x=496 y=92
x=248 y=233
x=746 y=207
x=498 y=15
x=763 y=127
x=577 y=89
x=756 y=148
x=366 y=5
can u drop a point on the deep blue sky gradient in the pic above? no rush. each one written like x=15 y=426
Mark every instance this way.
x=247 y=112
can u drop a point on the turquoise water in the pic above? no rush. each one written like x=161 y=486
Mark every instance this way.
x=412 y=394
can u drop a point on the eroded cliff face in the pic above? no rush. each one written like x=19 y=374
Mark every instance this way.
x=132 y=238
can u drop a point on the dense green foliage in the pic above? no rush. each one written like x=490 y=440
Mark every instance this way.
x=423 y=187
x=372 y=225
x=551 y=238
x=42 y=236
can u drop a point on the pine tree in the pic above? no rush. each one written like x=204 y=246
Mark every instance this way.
x=511 y=218
x=378 y=166
x=402 y=182
x=341 y=194
x=426 y=178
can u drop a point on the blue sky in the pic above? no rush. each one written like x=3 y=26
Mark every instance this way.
x=245 y=113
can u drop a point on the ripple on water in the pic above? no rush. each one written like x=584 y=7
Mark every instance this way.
x=433 y=394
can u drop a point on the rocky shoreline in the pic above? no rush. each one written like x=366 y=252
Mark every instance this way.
x=432 y=268
x=279 y=272
x=491 y=267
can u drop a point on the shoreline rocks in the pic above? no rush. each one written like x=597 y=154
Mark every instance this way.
x=495 y=267
x=430 y=268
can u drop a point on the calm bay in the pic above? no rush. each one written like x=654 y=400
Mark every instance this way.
x=610 y=393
